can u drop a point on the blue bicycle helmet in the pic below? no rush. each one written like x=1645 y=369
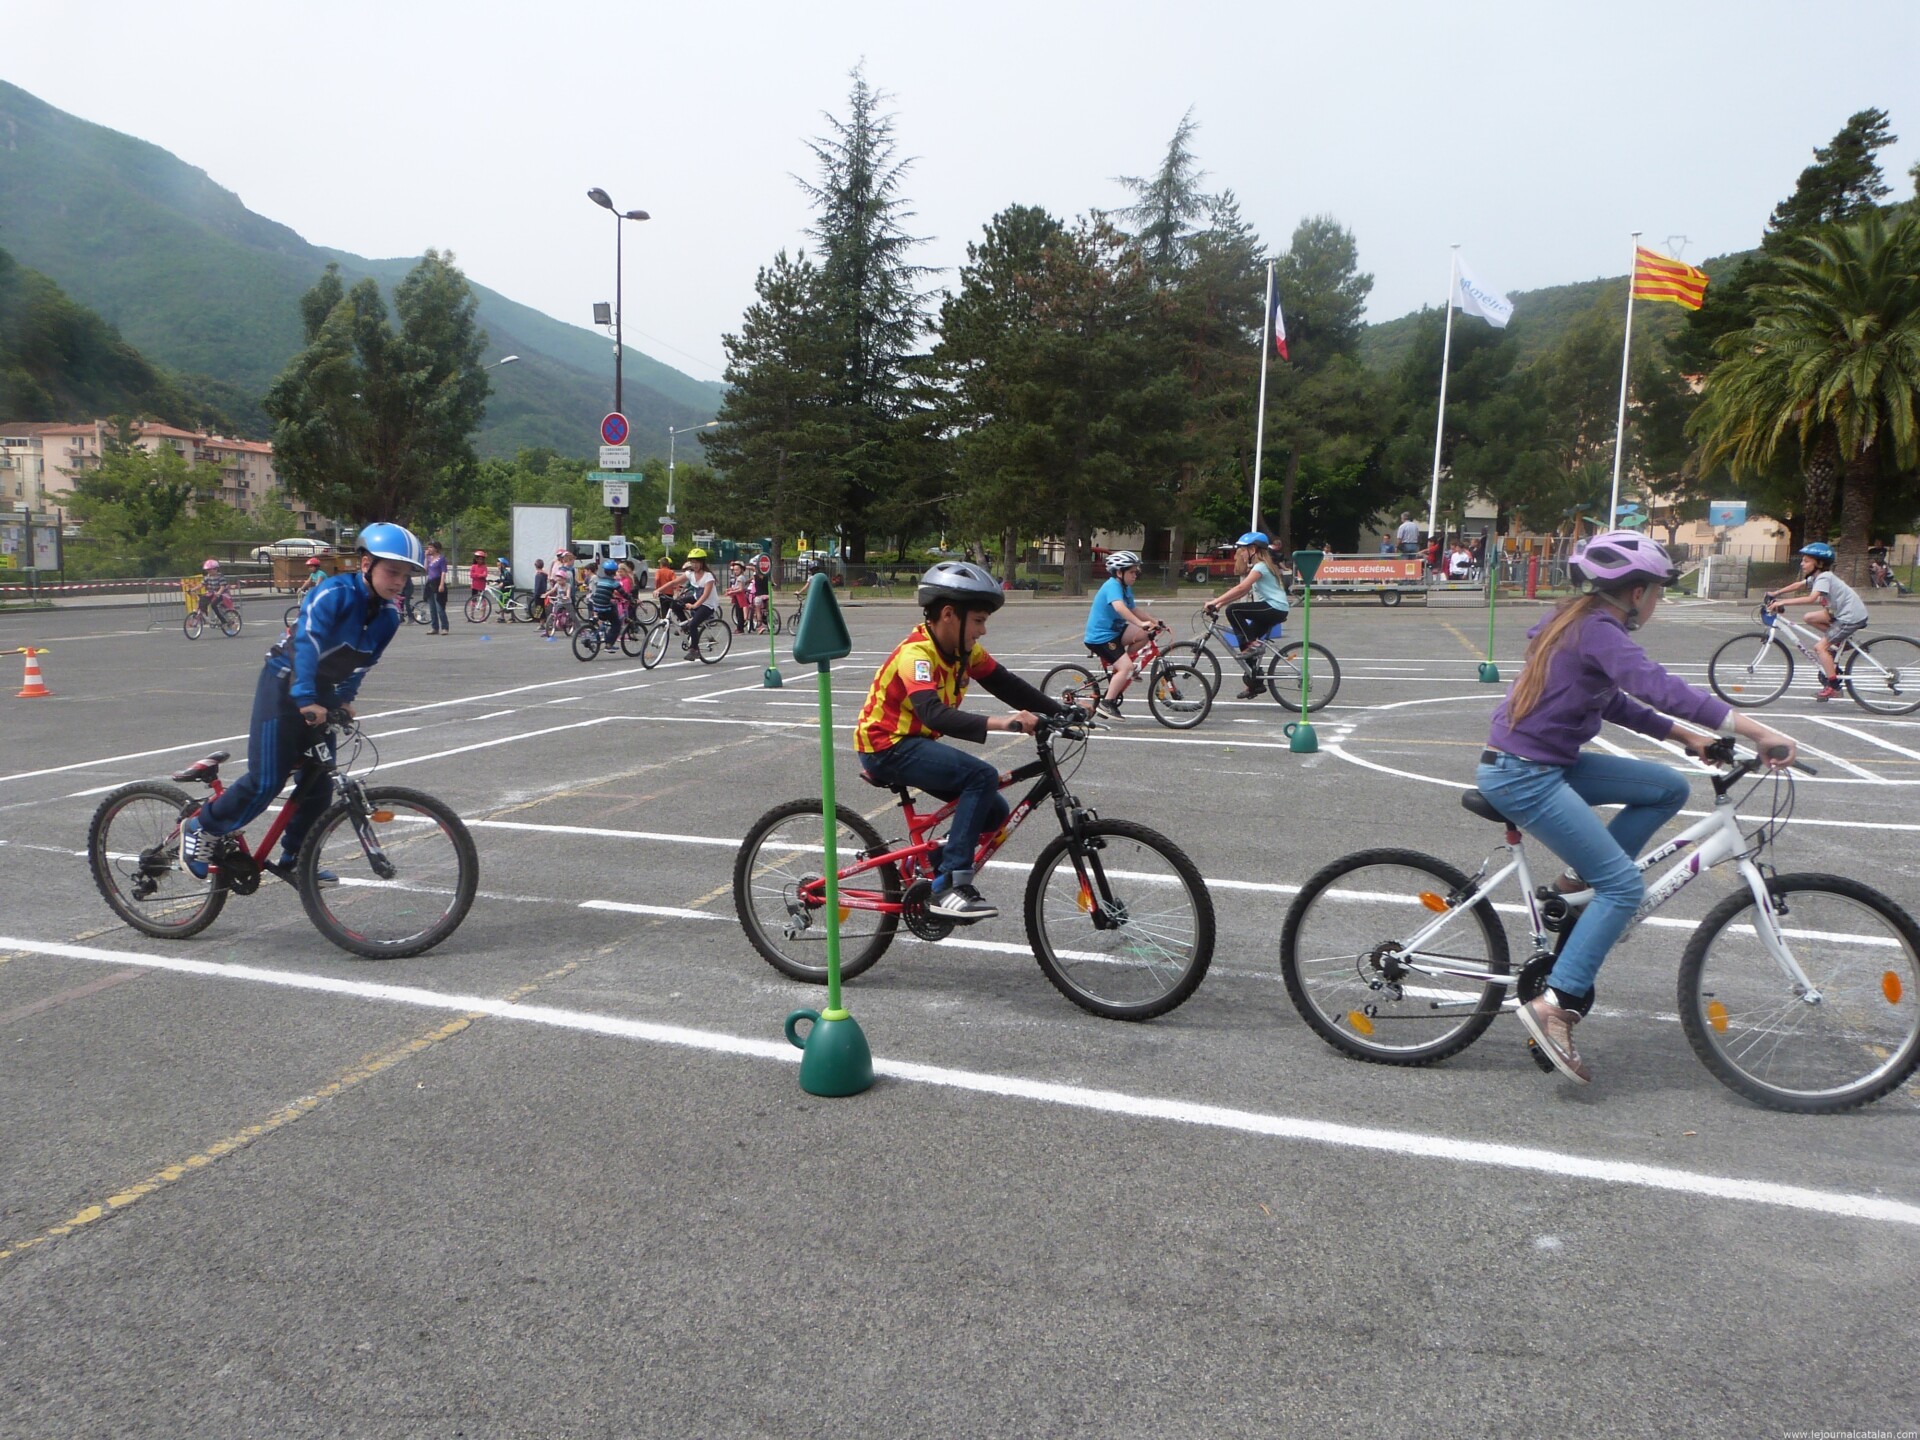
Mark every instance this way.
x=387 y=541
x=1253 y=537
x=1818 y=550
x=609 y=567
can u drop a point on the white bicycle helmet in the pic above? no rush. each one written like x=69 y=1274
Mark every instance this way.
x=1122 y=560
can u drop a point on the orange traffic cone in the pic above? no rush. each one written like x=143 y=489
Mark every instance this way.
x=35 y=686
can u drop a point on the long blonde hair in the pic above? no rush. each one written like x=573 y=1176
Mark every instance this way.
x=1542 y=648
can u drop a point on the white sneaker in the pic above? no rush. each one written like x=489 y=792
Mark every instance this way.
x=962 y=904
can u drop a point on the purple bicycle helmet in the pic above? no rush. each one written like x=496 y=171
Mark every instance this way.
x=1618 y=560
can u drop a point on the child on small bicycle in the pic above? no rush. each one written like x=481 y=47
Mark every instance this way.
x=915 y=697
x=1583 y=668
x=1116 y=629
x=1261 y=596
x=606 y=602
x=316 y=667
x=215 y=593
x=1837 y=614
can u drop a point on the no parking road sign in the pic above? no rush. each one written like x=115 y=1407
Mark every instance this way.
x=613 y=429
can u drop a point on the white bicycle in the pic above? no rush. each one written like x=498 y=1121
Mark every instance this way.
x=1755 y=669
x=1801 y=992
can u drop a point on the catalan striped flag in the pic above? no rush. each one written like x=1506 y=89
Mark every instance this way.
x=1655 y=277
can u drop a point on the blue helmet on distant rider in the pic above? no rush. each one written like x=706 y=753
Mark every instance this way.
x=387 y=541
x=1253 y=537
x=609 y=567
x=1820 y=552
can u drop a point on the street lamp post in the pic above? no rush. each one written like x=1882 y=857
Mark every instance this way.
x=671 y=432
x=600 y=198
x=503 y=360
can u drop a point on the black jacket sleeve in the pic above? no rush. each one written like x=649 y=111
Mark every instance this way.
x=947 y=719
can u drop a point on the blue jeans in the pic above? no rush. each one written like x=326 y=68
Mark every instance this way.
x=276 y=739
x=945 y=772
x=1553 y=804
x=437 y=609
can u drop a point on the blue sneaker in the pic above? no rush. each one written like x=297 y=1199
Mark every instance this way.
x=196 y=847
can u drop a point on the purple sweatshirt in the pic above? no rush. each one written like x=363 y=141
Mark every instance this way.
x=1600 y=674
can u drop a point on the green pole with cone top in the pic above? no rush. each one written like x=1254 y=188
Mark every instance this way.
x=1490 y=672
x=770 y=677
x=1301 y=739
x=836 y=1060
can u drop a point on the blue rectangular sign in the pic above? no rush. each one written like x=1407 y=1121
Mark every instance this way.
x=1726 y=514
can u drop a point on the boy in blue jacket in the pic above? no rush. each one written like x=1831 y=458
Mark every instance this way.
x=344 y=625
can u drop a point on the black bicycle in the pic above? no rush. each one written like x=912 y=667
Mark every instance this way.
x=386 y=871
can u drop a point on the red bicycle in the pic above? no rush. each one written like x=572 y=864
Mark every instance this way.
x=1178 y=694
x=386 y=871
x=1116 y=913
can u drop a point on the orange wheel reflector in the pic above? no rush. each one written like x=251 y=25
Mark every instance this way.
x=1359 y=1022
x=844 y=912
x=1890 y=987
x=1086 y=899
x=382 y=817
x=1433 y=902
x=1717 y=1016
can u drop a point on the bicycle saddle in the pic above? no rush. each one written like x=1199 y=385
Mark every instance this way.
x=903 y=791
x=206 y=767
x=1477 y=804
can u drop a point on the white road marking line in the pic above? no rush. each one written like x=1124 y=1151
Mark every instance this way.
x=496 y=714
x=1834 y=759
x=386 y=765
x=1863 y=735
x=602 y=833
x=1408 y=1144
x=672 y=912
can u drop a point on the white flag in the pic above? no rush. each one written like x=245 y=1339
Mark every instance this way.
x=1477 y=299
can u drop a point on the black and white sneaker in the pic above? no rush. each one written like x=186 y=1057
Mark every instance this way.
x=1110 y=709
x=961 y=904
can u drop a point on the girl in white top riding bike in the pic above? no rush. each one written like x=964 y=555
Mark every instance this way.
x=1262 y=594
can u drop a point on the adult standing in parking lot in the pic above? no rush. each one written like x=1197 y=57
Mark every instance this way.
x=436 y=588
x=1407 y=537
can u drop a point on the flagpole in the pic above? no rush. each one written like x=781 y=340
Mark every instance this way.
x=1440 y=428
x=1620 y=430
x=1260 y=423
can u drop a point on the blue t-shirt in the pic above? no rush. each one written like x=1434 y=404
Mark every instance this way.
x=1104 y=624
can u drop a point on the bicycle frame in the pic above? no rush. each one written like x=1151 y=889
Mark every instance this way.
x=915 y=857
x=1717 y=839
x=1804 y=638
x=303 y=776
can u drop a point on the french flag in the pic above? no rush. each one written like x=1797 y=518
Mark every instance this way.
x=1276 y=322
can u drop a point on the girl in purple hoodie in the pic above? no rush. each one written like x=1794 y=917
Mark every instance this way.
x=1583 y=667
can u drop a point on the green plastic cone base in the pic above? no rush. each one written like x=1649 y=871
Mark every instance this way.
x=770 y=679
x=1489 y=673
x=836 y=1060
x=1304 y=741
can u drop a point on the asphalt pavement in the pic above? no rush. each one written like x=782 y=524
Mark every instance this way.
x=557 y=1176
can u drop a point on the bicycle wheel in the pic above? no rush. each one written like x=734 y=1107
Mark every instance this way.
x=646 y=611
x=407 y=873
x=1196 y=654
x=1178 y=695
x=583 y=604
x=193 y=624
x=229 y=621
x=1282 y=674
x=773 y=618
x=421 y=613
x=293 y=614
x=1073 y=684
x=633 y=639
x=716 y=639
x=1855 y=1037
x=654 y=649
x=586 y=642
x=133 y=849
x=786 y=850
x=1155 y=944
x=479 y=607
x=1751 y=670
x=1884 y=676
x=1341 y=957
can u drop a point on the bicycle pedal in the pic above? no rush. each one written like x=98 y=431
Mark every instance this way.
x=1539 y=1055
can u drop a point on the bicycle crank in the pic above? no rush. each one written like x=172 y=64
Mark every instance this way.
x=913 y=909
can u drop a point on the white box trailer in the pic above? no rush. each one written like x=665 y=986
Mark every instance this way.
x=539 y=532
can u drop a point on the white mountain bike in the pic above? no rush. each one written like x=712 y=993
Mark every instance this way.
x=1801 y=992
x=1755 y=669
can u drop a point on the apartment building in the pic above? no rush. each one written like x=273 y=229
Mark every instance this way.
x=39 y=463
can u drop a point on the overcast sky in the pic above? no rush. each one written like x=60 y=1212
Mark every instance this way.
x=1538 y=135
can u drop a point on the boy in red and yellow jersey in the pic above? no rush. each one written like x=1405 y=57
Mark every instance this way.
x=916 y=698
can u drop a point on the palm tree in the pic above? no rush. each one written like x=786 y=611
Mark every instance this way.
x=1833 y=358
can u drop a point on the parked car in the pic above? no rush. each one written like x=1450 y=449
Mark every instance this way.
x=300 y=545
x=1215 y=564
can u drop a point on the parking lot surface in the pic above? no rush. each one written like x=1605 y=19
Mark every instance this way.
x=557 y=1176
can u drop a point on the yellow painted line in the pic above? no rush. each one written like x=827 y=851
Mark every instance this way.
x=1465 y=644
x=279 y=1119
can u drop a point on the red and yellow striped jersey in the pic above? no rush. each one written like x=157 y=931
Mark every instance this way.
x=915 y=667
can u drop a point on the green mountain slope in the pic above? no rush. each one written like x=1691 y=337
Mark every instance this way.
x=194 y=280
